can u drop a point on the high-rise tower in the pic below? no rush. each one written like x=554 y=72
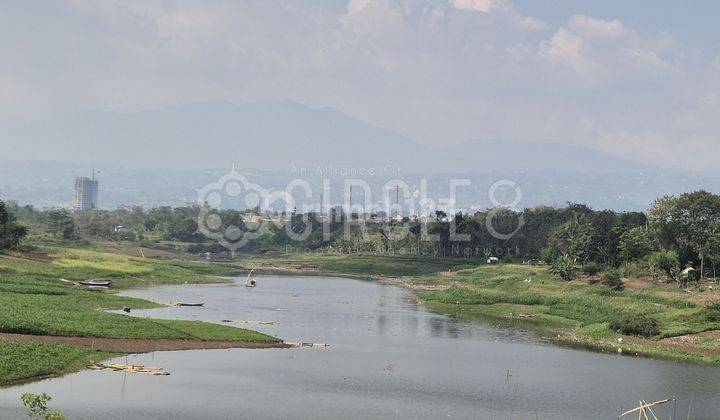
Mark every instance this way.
x=86 y=193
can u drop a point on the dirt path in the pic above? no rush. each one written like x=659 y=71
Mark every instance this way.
x=134 y=345
x=684 y=343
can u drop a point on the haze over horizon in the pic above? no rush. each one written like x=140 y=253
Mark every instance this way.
x=631 y=80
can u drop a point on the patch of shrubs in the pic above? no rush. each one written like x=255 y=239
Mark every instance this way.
x=712 y=312
x=564 y=266
x=641 y=325
x=591 y=268
x=611 y=279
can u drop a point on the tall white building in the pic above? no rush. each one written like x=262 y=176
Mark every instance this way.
x=86 y=193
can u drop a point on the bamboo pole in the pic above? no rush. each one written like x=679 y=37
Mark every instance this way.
x=643 y=406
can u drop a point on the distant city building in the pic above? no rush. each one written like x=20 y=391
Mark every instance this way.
x=86 y=193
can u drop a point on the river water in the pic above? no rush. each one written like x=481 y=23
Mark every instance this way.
x=388 y=359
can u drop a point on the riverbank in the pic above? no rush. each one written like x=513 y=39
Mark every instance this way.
x=145 y=345
x=574 y=313
x=46 y=321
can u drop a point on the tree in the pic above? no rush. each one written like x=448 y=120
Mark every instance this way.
x=11 y=232
x=60 y=224
x=572 y=238
x=636 y=243
x=665 y=262
x=37 y=407
x=689 y=224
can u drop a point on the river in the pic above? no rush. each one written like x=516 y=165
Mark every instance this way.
x=388 y=359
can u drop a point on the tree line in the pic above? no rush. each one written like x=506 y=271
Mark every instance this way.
x=676 y=232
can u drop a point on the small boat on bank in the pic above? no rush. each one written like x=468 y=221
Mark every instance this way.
x=250 y=280
x=189 y=304
x=96 y=283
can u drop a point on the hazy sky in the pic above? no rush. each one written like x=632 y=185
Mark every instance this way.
x=635 y=78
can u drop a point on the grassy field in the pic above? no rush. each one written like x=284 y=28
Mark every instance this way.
x=81 y=264
x=367 y=265
x=24 y=361
x=34 y=301
x=529 y=297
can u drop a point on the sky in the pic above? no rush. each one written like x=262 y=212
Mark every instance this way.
x=639 y=79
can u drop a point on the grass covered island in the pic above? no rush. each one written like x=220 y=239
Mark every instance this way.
x=49 y=328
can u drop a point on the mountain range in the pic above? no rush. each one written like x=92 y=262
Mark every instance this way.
x=277 y=136
x=160 y=157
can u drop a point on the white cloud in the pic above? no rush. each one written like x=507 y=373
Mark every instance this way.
x=356 y=6
x=590 y=27
x=532 y=23
x=185 y=24
x=646 y=58
x=503 y=10
x=485 y=6
x=567 y=49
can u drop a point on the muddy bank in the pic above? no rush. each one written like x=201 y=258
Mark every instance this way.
x=133 y=345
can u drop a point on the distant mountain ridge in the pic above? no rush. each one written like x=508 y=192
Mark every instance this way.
x=214 y=134
x=277 y=136
x=490 y=154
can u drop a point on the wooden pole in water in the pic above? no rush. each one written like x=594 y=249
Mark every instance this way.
x=642 y=407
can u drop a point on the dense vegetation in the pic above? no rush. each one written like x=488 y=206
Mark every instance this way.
x=636 y=324
x=676 y=232
x=11 y=232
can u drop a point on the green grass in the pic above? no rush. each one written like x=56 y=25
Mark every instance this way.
x=577 y=302
x=362 y=265
x=77 y=314
x=34 y=301
x=24 y=361
x=125 y=270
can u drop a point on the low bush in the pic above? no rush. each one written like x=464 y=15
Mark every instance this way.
x=611 y=279
x=591 y=268
x=664 y=263
x=564 y=267
x=712 y=312
x=641 y=325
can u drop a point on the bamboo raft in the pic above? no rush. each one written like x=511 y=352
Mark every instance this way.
x=146 y=370
x=307 y=344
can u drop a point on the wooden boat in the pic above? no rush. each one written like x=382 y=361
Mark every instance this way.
x=189 y=304
x=250 y=281
x=103 y=283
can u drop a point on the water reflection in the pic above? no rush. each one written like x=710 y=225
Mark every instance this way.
x=443 y=327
